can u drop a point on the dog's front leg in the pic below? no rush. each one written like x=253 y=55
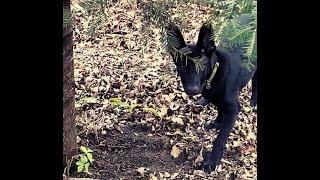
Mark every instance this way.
x=229 y=115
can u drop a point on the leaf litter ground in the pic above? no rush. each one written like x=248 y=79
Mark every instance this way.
x=131 y=108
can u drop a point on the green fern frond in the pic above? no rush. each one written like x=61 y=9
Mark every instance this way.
x=199 y=64
x=240 y=36
x=173 y=44
x=172 y=40
x=226 y=32
x=251 y=47
x=185 y=50
x=96 y=9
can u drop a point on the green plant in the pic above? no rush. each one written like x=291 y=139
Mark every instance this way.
x=66 y=18
x=160 y=13
x=95 y=13
x=118 y=103
x=85 y=160
x=222 y=18
x=172 y=45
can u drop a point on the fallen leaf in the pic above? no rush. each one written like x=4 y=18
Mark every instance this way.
x=254 y=155
x=166 y=174
x=141 y=171
x=174 y=175
x=177 y=120
x=175 y=151
x=247 y=109
x=199 y=158
x=199 y=173
x=89 y=100
x=151 y=110
x=95 y=89
x=88 y=81
x=153 y=177
x=174 y=106
x=96 y=71
x=163 y=112
x=184 y=96
x=250 y=136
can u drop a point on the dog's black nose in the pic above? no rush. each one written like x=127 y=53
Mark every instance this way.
x=192 y=90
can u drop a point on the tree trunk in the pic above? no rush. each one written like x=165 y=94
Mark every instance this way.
x=69 y=128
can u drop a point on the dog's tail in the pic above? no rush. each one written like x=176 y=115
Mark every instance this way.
x=253 y=101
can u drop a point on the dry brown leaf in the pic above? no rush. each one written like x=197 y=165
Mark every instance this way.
x=254 y=155
x=199 y=158
x=250 y=136
x=89 y=100
x=141 y=171
x=174 y=106
x=88 y=80
x=174 y=175
x=247 y=109
x=199 y=173
x=166 y=174
x=95 y=89
x=152 y=110
x=184 y=96
x=177 y=120
x=175 y=151
x=177 y=132
x=163 y=112
x=153 y=177
x=96 y=71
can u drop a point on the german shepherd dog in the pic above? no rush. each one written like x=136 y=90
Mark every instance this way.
x=219 y=81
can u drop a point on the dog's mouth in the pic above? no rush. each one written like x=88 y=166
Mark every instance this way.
x=192 y=91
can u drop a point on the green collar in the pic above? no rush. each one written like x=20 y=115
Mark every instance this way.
x=214 y=71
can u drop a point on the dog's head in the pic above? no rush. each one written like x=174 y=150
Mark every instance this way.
x=194 y=62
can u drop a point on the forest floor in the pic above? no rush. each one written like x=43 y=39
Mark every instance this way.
x=131 y=108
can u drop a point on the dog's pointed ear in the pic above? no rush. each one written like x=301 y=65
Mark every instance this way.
x=206 y=37
x=174 y=37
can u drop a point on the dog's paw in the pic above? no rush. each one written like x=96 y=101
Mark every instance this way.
x=213 y=125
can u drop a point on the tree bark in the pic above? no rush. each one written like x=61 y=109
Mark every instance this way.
x=69 y=125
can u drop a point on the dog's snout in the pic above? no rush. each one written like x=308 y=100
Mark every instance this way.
x=192 y=90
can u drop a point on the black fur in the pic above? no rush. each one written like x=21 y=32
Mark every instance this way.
x=230 y=78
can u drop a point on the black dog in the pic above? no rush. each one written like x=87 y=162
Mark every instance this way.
x=219 y=77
